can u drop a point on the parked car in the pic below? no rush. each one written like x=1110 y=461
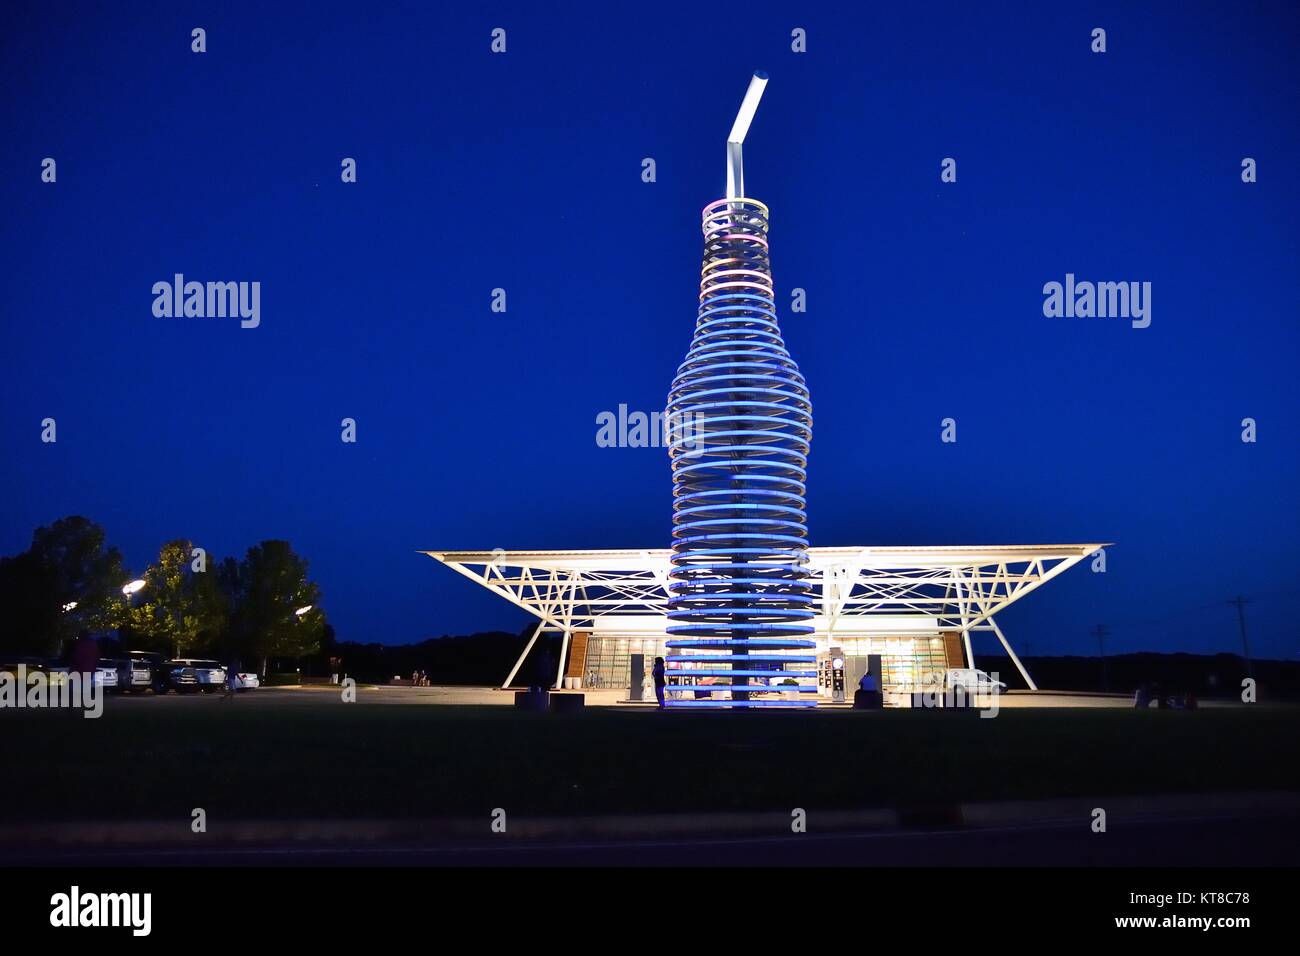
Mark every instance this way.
x=175 y=675
x=10 y=665
x=108 y=675
x=105 y=675
x=209 y=675
x=139 y=671
x=972 y=681
x=247 y=681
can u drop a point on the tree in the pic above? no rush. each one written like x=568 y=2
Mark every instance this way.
x=265 y=591
x=67 y=566
x=183 y=609
x=29 y=596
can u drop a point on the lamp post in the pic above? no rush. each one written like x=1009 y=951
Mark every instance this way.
x=128 y=591
x=299 y=615
x=67 y=609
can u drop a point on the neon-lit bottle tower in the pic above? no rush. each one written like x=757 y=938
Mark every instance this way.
x=740 y=607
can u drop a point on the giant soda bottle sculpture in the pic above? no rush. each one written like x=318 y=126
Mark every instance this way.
x=740 y=421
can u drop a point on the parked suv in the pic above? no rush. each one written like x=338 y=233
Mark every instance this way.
x=209 y=675
x=108 y=674
x=138 y=672
x=175 y=675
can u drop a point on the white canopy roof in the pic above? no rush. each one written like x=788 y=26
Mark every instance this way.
x=961 y=586
x=945 y=588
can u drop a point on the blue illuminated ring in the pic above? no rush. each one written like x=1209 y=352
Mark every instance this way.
x=740 y=425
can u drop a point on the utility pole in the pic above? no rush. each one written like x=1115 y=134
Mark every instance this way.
x=1240 y=602
x=1101 y=630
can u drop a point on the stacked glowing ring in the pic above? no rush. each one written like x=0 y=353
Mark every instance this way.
x=740 y=423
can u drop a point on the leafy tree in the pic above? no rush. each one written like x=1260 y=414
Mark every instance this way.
x=182 y=609
x=265 y=591
x=29 y=596
x=68 y=566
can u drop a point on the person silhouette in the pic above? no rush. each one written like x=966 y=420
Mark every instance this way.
x=232 y=679
x=660 y=680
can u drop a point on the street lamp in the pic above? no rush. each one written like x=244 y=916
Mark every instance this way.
x=128 y=589
x=71 y=605
x=298 y=614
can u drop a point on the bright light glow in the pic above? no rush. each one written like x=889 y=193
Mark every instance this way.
x=69 y=606
x=132 y=586
x=303 y=610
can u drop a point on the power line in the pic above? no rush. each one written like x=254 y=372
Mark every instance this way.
x=1155 y=622
x=1200 y=609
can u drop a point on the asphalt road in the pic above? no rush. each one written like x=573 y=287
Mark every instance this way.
x=1206 y=841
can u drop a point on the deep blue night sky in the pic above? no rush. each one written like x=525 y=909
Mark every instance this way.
x=523 y=171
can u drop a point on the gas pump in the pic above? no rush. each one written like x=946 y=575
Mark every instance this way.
x=636 y=684
x=837 y=675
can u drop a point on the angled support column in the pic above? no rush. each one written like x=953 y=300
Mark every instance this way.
x=967 y=623
x=559 y=671
x=1015 y=660
x=537 y=632
x=575 y=580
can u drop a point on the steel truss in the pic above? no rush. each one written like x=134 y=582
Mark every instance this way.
x=953 y=589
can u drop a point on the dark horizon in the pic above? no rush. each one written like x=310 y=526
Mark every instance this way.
x=476 y=430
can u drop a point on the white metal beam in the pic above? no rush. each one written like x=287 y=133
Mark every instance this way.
x=1014 y=659
x=957 y=588
x=519 y=663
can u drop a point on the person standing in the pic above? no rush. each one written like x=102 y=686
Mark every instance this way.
x=660 y=680
x=232 y=679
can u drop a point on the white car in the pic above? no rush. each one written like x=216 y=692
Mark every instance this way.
x=245 y=681
x=972 y=681
x=104 y=677
x=210 y=674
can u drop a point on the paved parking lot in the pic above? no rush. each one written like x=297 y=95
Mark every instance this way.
x=366 y=694
x=488 y=696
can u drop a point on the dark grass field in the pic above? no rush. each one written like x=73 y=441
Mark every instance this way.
x=255 y=759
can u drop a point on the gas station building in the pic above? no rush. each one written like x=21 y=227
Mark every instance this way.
x=914 y=607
